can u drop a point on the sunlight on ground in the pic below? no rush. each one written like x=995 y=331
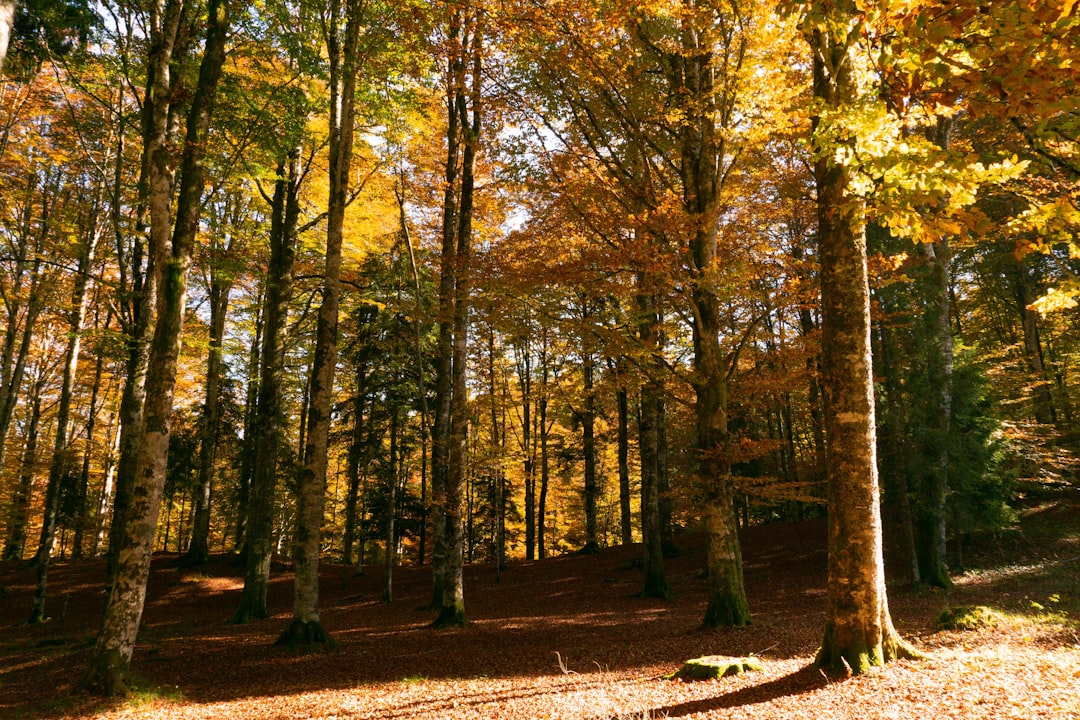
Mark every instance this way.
x=972 y=675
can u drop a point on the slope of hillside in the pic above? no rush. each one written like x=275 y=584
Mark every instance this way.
x=568 y=638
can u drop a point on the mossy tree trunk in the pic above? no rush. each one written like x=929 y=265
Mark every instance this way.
x=859 y=632
x=171 y=247
x=449 y=268
x=466 y=62
x=259 y=524
x=704 y=76
x=306 y=627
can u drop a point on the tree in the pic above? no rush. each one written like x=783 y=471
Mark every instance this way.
x=171 y=248
x=450 y=431
x=859 y=633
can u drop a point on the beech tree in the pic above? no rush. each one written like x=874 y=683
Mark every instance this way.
x=171 y=243
x=859 y=632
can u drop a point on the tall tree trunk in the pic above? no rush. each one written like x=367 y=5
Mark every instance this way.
x=466 y=38
x=545 y=455
x=859 y=632
x=649 y=420
x=306 y=628
x=444 y=352
x=108 y=486
x=622 y=400
x=588 y=448
x=258 y=545
x=198 y=551
x=523 y=354
x=62 y=459
x=352 y=469
x=82 y=511
x=251 y=409
x=421 y=384
x=19 y=515
x=171 y=248
x=391 y=508
x=703 y=156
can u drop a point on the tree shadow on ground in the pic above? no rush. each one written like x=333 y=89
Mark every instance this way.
x=806 y=679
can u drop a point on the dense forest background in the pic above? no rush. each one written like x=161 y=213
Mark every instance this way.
x=513 y=280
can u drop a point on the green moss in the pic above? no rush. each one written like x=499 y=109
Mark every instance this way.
x=968 y=618
x=711 y=667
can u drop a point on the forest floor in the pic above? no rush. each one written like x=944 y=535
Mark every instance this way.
x=569 y=638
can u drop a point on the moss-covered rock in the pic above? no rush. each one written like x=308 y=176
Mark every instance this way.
x=710 y=667
x=968 y=618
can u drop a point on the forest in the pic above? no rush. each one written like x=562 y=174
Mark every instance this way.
x=420 y=286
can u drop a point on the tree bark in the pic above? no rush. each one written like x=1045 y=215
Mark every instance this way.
x=930 y=520
x=172 y=252
x=466 y=59
x=62 y=459
x=702 y=158
x=859 y=632
x=622 y=401
x=306 y=627
x=258 y=544
x=19 y=515
x=649 y=419
x=588 y=449
x=198 y=551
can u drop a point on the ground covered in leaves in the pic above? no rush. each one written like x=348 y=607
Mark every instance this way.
x=569 y=638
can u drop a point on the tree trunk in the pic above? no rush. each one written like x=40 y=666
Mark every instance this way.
x=545 y=456
x=352 y=471
x=930 y=520
x=859 y=632
x=588 y=448
x=258 y=545
x=498 y=448
x=418 y=338
x=62 y=459
x=19 y=516
x=449 y=269
x=198 y=551
x=172 y=252
x=523 y=353
x=82 y=512
x=467 y=47
x=108 y=485
x=626 y=532
x=702 y=156
x=649 y=419
x=7 y=22
x=251 y=409
x=306 y=628
x=391 y=508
